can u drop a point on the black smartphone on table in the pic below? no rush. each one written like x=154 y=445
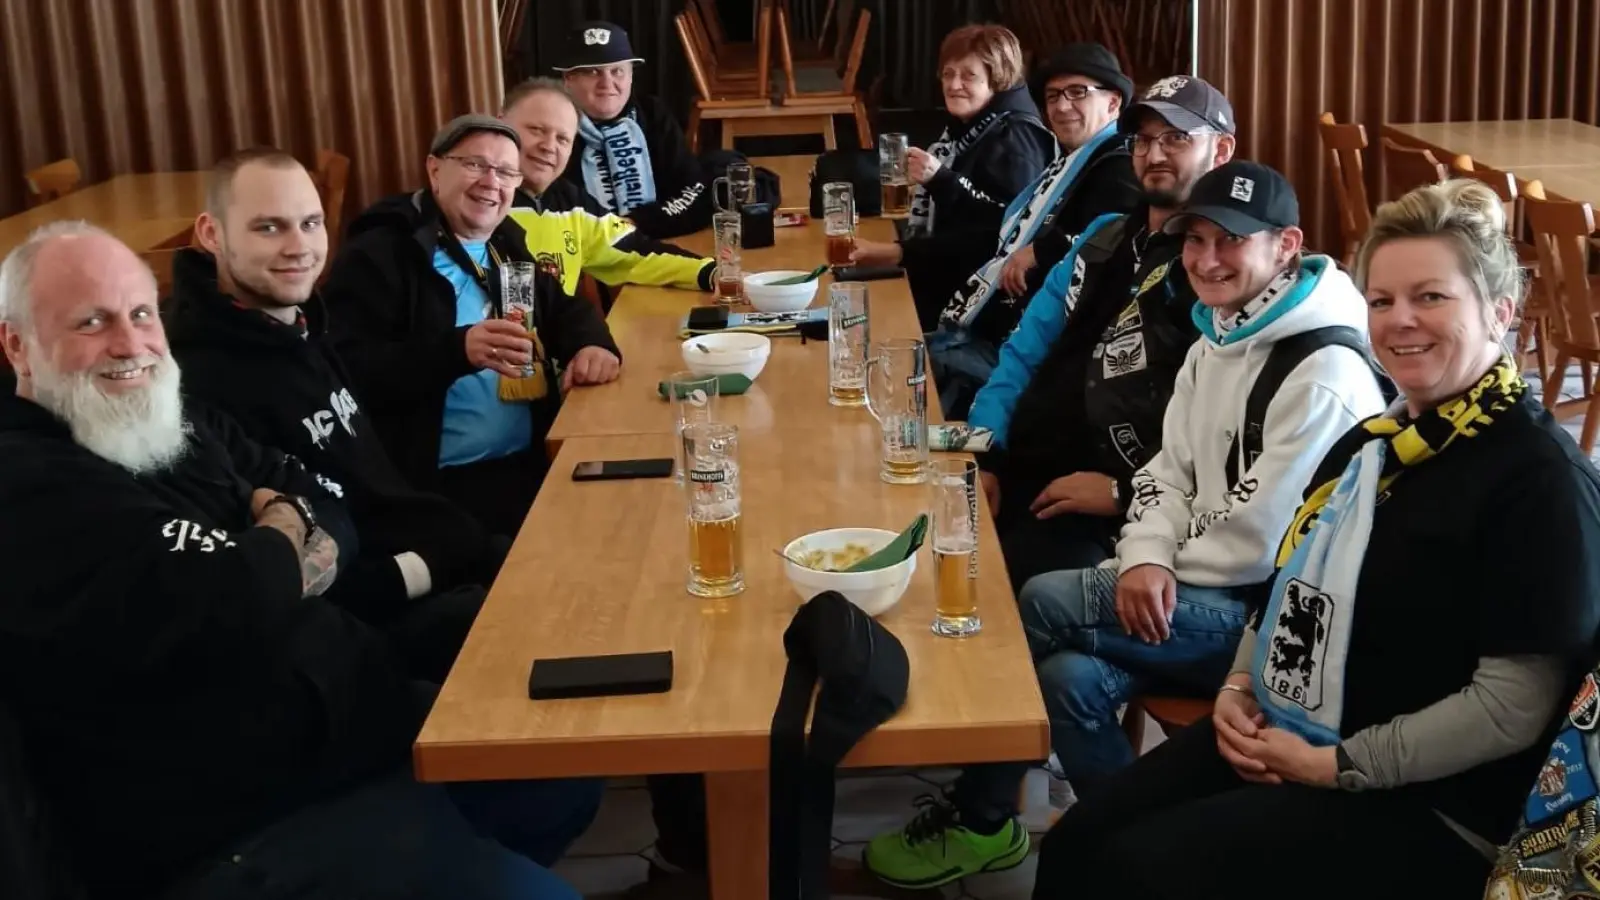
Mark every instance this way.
x=614 y=675
x=866 y=273
x=622 y=469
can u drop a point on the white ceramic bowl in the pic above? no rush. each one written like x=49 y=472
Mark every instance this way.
x=874 y=592
x=732 y=352
x=779 y=298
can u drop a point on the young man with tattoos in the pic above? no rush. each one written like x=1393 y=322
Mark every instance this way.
x=201 y=722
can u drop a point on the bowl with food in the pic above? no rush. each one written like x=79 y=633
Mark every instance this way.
x=768 y=297
x=816 y=562
x=727 y=353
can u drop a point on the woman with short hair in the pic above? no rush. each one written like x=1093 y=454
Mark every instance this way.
x=1434 y=608
x=993 y=147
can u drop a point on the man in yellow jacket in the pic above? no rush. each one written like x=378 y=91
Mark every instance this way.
x=568 y=232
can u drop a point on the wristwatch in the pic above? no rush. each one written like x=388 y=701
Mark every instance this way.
x=300 y=505
x=1349 y=777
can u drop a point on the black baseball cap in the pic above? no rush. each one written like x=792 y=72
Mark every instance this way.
x=456 y=130
x=594 y=44
x=1185 y=102
x=1090 y=60
x=1242 y=198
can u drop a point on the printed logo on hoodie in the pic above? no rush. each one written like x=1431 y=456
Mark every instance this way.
x=321 y=423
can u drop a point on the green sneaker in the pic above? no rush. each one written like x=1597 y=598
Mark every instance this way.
x=933 y=849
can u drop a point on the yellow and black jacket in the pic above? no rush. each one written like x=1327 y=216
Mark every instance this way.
x=570 y=236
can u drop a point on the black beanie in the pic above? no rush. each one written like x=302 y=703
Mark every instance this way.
x=1090 y=60
x=864 y=673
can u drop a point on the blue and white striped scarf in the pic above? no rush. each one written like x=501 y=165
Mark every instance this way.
x=616 y=163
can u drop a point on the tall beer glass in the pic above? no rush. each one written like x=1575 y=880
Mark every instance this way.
x=728 y=232
x=955 y=548
x=716 y=538
x=694 y=402
x=849 y=342
x=839 y=221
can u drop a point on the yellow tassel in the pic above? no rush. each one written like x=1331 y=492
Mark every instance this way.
x=535 y=386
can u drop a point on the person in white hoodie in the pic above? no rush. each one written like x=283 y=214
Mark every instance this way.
x=1279 y=373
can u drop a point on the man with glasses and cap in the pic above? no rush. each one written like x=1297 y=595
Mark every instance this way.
x=460 y=392
x=1075 y=406
x=1083 y=90
x=630 y=154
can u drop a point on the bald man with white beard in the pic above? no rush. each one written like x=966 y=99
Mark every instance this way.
x=201 y=724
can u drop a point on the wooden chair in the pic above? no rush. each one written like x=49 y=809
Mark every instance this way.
x=332 y=177
x=1530 y=323
x=53 y=181
x=1561 y=232
x=742 y=113
x=845 y=101
x=1407 y=167
x=742 y=77
x=1345 y=144
x=736 y=54
x=1170 y=713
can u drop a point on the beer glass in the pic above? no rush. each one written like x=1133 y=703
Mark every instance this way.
x=716 y=540
x=839 y=221
x=894 y=174
x=694 y=402
x=741 y=185
x=955 y=548
x=849 y=342
x=728 y=230
x=517 y=280
x=897 y=396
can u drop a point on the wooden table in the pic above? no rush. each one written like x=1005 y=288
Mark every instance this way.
x=600 y=568
x=1509 y=145
x=143 y=211
x=792 y=388
x=1578 y=183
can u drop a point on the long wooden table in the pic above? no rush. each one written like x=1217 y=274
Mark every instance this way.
x=1506 y=145
x=143 y=211
x=600 y=568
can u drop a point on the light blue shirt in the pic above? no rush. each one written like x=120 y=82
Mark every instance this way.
x=477 y=424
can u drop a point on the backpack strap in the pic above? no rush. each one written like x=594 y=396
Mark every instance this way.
x=1104 y=241
x=1285 y=357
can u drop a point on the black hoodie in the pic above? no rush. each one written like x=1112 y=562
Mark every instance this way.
x=392 y=319
x=970 y=196
x=176 y=690
x=683 y=197
x=288 y=389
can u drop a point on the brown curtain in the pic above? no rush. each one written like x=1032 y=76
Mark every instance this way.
x=1283 y=63
x=169 y=85
x=1150 y=37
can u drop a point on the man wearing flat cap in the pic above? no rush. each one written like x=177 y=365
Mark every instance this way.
x=630 y=155
x=461 y=387
x=1082 y=90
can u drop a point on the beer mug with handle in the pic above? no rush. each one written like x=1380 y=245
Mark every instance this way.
x=894 y=174
x=897 y=396
x=716 y=533
x=955 y=548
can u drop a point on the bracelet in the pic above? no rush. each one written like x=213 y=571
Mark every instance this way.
x=1236 y=687
x=299 y=510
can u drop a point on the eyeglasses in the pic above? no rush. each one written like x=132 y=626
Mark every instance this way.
x=477 y=168
x=1071 y=92
x=1172 y=142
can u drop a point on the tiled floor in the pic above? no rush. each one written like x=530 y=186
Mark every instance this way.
x=610 y=861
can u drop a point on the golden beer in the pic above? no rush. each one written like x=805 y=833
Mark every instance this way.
x=896 y=199
x=840 y=249
x=904 y=471
x=716 y=557
x=955 y=592
x=847 y=394
x=729 y=289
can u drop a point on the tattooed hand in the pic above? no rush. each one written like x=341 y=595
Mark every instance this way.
x=319 y=565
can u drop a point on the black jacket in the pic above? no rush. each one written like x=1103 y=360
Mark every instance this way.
x=1098 y=401
x=177 y=690
x=1107 y=185
x=970 y=196
x=392 y=318
x=683 y=191
x=1449 y=576
x=289 y=390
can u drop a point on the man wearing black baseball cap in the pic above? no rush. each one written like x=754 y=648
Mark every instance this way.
x=1075 y=407
x=630 y=154
x=1279 y=374
x=460 y=393
x=1082 y=90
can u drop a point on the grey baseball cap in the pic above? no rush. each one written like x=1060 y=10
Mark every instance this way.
x=457 y=129
x=1184 y=102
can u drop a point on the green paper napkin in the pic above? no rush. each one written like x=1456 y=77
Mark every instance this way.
x=907 y=543
x=727 y=385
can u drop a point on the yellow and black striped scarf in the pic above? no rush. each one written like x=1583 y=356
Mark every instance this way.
x=1418 y=440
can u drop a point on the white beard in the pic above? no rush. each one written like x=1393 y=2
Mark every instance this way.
x=142 y=431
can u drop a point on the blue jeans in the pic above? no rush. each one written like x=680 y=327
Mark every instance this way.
x=961 y=365
x=395 y=839
x=1088 y=666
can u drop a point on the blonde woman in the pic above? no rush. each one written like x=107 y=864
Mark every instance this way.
x=1434 y=608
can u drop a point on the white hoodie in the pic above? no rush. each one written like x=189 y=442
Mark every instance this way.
x=1183 y=515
